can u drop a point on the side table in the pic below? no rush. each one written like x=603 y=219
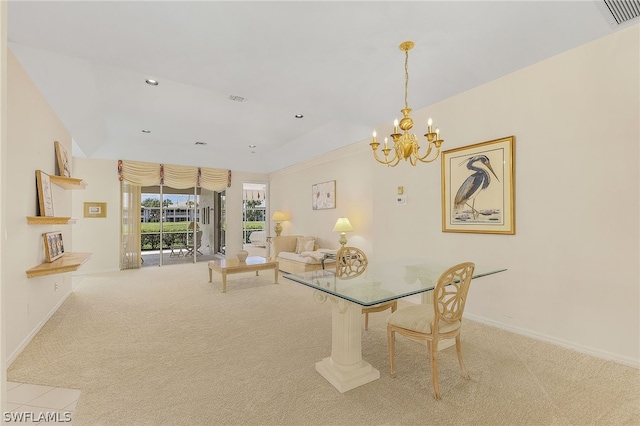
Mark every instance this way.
x=328 y=255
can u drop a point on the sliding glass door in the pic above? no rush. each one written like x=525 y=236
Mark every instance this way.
x=170 y=225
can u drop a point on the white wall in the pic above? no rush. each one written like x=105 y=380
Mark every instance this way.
x=573 y=265
x=3 y=204
x=32 y=131
x=99 y=236
x=291 y=193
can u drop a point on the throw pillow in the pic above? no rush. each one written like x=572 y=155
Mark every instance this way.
x=308 y=246
x=300 y=243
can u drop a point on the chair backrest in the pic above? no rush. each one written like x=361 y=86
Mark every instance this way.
x=450 y=293
x=350 y=262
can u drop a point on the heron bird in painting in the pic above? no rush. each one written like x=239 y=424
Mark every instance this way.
x=474 y=184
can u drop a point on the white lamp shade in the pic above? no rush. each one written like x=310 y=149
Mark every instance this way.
x=278 y=215
x=343 y=225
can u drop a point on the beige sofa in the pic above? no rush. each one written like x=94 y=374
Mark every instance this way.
x=308 y=257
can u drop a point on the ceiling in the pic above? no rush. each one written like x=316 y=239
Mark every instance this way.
x=337 y=63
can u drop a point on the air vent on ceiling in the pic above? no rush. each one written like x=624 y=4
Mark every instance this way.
x=236 y=98
x=622 y=11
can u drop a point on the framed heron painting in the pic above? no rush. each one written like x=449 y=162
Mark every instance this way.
x=478 y=188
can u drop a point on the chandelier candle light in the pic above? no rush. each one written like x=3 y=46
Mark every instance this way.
x=405 y=144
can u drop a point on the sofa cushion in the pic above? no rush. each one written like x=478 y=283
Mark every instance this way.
x=317 y=255
x=297 y=258
x=284 y=243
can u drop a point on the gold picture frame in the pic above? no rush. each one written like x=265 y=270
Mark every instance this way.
x=64 y=165
x=45 y=198
x=93 y=209
x=323 y=195
x=53 y=245
x=478 y=194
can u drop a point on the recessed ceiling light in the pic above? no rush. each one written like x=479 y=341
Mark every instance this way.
x=299 y=115
x=201 y=143
x=252 y=146
x=151 y=82
x=146 y=131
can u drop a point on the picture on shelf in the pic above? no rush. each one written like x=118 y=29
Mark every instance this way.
x=53 y=245
x=45 y=199
x=64 y=165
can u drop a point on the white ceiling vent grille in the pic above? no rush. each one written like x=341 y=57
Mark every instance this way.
x=622 y=11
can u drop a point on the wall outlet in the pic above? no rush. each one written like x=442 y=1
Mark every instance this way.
x=55 y=287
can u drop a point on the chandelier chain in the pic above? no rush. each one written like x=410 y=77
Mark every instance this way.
x=406 y=77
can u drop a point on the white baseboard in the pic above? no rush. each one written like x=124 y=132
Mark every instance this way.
x=14 y=355
x=545 y=338
x=559 y=342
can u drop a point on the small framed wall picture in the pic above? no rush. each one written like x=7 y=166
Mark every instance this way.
x=53 y=245
x=95 y=209
x=45 y=199
x=64 y=165
x=323 y=195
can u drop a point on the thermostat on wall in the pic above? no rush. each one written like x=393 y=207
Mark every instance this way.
x=401 y=199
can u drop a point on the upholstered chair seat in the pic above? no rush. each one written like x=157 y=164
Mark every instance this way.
x=419 y=318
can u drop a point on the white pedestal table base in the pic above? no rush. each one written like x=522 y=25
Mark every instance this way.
x=345 y=369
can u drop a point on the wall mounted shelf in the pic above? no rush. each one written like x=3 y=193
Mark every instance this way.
x=69 y=262
x=68 y=182
x=47 y=220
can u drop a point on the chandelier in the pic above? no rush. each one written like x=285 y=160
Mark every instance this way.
x=405 y=144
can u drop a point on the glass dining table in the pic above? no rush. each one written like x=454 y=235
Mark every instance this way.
x=381 y=282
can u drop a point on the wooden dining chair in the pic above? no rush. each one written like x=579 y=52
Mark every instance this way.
x=429 y=324
x=351 y=262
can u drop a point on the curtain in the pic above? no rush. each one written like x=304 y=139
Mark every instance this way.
x=138 y=173
x=130 y=255
x=150 y=174
x=253 y=194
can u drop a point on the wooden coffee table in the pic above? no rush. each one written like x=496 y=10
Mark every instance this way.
x=234 y=266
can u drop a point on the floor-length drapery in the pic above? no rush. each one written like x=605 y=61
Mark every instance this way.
x=130 y=254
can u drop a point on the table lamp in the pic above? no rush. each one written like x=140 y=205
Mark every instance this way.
x=343 y=226
x=278 y=216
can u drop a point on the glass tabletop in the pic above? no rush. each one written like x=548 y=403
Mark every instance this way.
x=382 y=281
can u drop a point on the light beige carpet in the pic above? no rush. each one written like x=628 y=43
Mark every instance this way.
x=163 y=346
